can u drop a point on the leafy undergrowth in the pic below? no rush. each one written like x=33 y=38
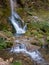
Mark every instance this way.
x=39 y=30
x=5 y=39
x=4 y=44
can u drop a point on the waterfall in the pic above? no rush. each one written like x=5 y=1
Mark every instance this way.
x=12 y=7
x=35 y=55
x=15 y=18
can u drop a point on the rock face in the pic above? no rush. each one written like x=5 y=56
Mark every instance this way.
x=27 y=42
x=2 y=62
x=6 y=62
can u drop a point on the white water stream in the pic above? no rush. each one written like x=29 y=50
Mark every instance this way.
x=19 y=30
x=35 y=55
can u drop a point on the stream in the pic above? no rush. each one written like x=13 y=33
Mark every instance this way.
x=35 y=55
x=19 y=51
x=23 y=49
x=15 y=18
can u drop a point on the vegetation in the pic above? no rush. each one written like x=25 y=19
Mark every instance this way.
x=16 y=63
x=35 y=14
x=39 y=30
x=4 y=44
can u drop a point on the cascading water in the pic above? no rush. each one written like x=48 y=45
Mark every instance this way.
x=35 y=55
x=19 y=30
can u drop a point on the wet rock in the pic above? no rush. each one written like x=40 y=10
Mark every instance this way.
x=27 y=41
x=45 y=53
x=2 y=62
x=25 y=59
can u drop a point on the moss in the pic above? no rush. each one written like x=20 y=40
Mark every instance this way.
x=8 y=33
x=28 y=33
x=47 y=33
x=40 y=35
x=20 y=11
x=47 y=38
x=16 y=63
x=29 y=13
x=4 y=44
x=34 y=32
